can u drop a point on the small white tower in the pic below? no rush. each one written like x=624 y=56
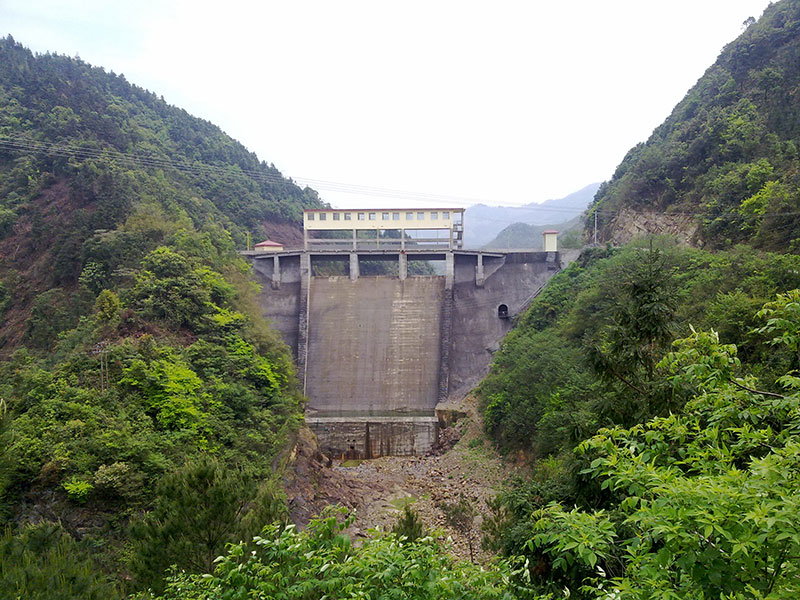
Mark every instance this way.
x=550 y=243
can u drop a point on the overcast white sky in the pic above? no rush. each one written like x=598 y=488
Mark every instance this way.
x=504 y=102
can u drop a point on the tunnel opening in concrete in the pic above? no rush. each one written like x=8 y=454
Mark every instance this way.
x=502 y=311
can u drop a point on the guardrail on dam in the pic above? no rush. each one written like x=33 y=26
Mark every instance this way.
x=376 y=354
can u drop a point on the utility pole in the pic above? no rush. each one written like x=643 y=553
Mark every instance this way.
x=101 y=349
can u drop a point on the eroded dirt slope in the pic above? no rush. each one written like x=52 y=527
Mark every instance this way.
x=378 y=489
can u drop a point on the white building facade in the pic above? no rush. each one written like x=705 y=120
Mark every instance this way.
x=405 y=228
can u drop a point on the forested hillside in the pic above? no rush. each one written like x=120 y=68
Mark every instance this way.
x=522 y=235
x=650 y=394
x=723 y=167
x=95 y=172
x=145 y=405
x=653 y=390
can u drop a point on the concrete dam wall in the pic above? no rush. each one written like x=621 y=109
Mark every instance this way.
x=373 y=345
x=377 y=354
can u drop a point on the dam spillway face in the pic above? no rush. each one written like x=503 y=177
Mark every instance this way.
x=372 y=372
x=377 y=354
x=373 y=344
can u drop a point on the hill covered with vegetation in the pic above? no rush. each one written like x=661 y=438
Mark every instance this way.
x=522 y=235
x=653 y=390
x=723 y=168
x=95 y=172
x=145 y=406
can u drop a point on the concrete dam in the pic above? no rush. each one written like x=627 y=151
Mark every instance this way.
x=377 y=354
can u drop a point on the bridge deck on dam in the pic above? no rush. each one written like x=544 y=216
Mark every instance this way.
x=376 y=354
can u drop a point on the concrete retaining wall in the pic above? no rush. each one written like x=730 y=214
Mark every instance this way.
x=370 y=437
x=476 y=328
x=281 y=305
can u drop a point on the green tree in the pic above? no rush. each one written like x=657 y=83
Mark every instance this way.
x=43 y=562
x=107 y=306
x=198 y=510
x=460 y=515
x=706 y=502
x=409 y=525
x=639 y=329
x=171 y=390
x=783 y=322
x=168 y=289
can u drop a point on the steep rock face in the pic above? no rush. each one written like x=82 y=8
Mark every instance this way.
x=629 y=224
x=722 y=168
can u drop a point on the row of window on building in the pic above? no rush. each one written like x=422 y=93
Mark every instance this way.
x=385 y=216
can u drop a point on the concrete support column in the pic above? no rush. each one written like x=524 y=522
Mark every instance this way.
x=355 y=242
x=402 y=239
x=276 y=272
x=479 y=276
x=354 y=271
x=446 y=328
x=305 y=239
x=402 y=266
x=449 y=270
x=302 y=329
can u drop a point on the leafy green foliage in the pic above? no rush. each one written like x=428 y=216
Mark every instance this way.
x=574 y=541
x=409 y=525
x=77 y=489
x=171 y=391
x=96 y=173
x=580 y=361
x=640 y=321
x=107 y=306
x=321 y=562
x=699 y=503
x=710 y=494
x=145 y=348
x=783 y=322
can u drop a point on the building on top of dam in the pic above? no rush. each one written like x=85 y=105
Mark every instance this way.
x=388 y=229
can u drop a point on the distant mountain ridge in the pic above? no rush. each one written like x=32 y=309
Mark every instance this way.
x=483 y=223
x=524 y=236
x=723 y=167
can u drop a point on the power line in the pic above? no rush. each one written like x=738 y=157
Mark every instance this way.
x=26 y=144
